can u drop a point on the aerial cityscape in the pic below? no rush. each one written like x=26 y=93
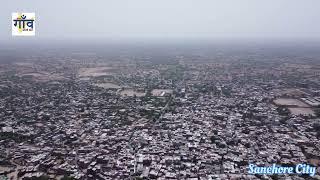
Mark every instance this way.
x=160 y=90
x=159 y=111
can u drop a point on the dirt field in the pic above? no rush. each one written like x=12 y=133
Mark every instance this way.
x=108 y=85
x=290 y=102
x=42 y=76
x=131 y=92
x=291 y=92
x=301 y=111
x=95 y=72
x=157 y=92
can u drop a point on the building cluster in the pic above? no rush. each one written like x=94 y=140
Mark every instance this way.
x=196 y=120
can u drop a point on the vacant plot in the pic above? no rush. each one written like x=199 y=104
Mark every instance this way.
x=132 y=92
x=43 y=77
x=161 y=92
x=302 y=111
x=96 y=71
x=290 y=92
x=290 y=102
x=108 y=85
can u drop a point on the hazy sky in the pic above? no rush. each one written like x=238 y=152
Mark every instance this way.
x=59 y=19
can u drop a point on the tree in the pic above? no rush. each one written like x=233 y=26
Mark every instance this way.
x=317 y=112
x=67 y=178
x=283 y=111
x=316 y=127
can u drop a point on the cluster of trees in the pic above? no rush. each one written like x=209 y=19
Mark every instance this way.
x=14 y=136
x=316 y=127
x=317 y=112
x=283 y=111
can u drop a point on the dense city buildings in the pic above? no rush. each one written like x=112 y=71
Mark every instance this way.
x=157 y=113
